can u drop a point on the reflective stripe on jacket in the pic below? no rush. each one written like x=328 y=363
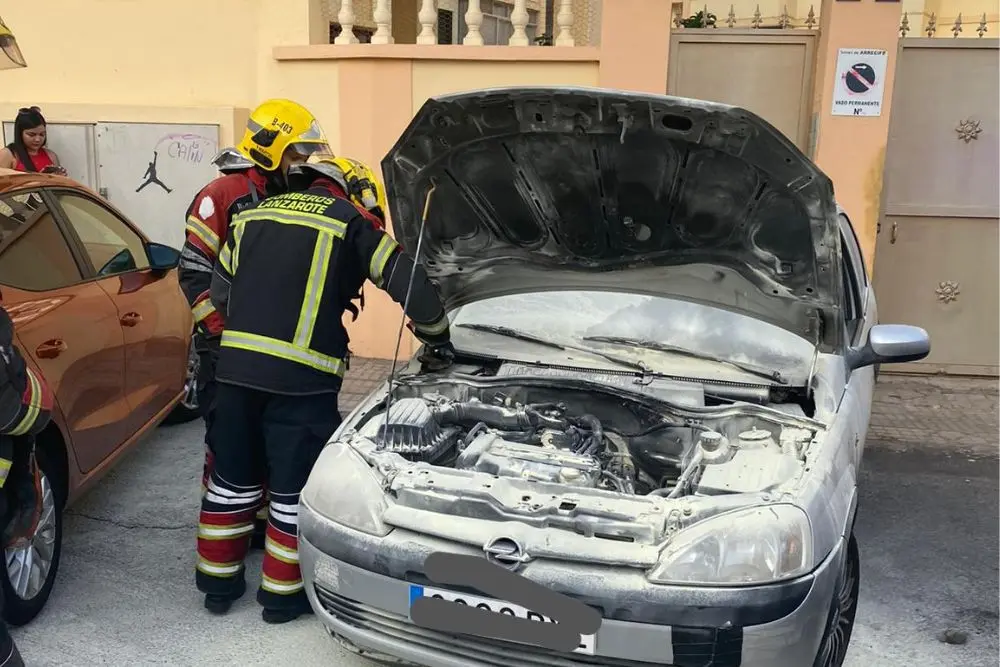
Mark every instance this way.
x=25 y=399
x=206 y=227
x=284 y=278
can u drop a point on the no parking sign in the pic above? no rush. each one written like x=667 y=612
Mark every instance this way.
x=859 y=86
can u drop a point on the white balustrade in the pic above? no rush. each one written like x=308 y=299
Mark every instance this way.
x=474 y=20
x=428 y=20
x=519 y=19
x=382 y=15
x=564 y=19
x=428 y=23
x=345 y=17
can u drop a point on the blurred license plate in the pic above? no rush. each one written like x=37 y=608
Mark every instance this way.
x=588 y=643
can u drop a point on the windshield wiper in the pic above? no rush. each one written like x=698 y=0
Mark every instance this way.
x=774 y=376
x=538 y=340
x=507 y=332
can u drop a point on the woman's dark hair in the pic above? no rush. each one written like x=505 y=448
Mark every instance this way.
x=28 y=118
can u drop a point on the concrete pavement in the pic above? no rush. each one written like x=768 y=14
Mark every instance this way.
x=125 y=595
x=930 y=412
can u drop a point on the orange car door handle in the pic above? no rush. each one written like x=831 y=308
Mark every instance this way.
x=51 y=349
x=131 y=319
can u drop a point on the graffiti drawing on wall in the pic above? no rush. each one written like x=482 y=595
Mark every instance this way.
x=186 y=147
x=184 y=150
x=151 y=178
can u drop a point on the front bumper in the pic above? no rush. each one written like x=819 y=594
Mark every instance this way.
x=359 y=584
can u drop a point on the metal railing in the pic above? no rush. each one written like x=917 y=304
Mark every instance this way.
x=930 y=24
x=784 y=21
x=427 y=18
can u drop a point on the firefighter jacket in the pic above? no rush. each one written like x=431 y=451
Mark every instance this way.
x=208 y=220
x=284 y=279
x=25 y=398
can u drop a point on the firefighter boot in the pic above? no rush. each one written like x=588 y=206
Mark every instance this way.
x=276 y=616
x=220 y=604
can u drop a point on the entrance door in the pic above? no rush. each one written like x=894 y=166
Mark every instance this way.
x=936 y=255
x=768 y=72
x=152 y=171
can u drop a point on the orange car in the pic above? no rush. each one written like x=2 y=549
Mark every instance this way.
x=97 y=310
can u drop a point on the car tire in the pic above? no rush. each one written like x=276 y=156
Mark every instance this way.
x=187 y=410
x=38 y=559
x=843 y=609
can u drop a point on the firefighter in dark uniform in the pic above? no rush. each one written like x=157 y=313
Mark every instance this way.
x=283 y=280
x=242 y=184
x=25 y=409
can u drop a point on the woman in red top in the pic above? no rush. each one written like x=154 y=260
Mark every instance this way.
x=28 y=152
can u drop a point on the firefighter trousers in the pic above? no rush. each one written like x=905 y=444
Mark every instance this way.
x=9 y=655
x=18 y=492
x=260 y=438
x=11 y=498
x=206 y=403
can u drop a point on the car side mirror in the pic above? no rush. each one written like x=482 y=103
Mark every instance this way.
x=162 y=257
x=890 y=344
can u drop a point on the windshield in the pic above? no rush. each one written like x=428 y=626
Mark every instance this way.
x=572 y=317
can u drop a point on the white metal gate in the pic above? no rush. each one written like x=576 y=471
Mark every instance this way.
x=152 y=171
x=936 y=256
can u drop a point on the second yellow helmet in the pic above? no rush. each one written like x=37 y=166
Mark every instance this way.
x=358 y=180
x=362 y=185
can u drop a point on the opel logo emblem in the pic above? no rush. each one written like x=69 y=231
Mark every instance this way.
x=506 y=553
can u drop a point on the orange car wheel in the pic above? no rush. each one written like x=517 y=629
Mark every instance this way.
x=31 y=560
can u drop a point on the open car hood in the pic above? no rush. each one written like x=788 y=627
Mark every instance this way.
x=574 y=188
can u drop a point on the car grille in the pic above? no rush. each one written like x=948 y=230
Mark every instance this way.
x=479 y=652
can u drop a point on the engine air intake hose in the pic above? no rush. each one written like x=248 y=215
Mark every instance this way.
x=496 y=416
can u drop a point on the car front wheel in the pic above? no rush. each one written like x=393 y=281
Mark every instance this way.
x=31 y=554
x=187 y=410
x=840 y=623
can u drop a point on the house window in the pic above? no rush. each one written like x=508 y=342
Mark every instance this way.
x=446 y=26
x=497 y=28
x=364 y=35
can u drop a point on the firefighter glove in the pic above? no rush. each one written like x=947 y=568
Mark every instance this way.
x=437 y=357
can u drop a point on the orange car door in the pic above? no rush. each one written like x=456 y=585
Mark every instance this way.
x=66 y=323
x=152 y=311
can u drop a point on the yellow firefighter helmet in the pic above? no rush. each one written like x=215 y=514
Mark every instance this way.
x=358 y=180
x=277 y=126
x=363 y=186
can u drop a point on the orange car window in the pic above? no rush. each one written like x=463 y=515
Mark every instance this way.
x=33 y=252
x=112 y=246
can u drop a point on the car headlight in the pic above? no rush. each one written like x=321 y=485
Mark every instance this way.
x=344 y=489
x=758 y=545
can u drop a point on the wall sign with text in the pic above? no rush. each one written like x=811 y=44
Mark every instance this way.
x=859 y=87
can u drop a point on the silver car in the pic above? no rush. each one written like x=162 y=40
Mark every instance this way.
x=666 y=352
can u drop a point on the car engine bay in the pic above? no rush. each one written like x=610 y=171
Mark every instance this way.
x=593 y=439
